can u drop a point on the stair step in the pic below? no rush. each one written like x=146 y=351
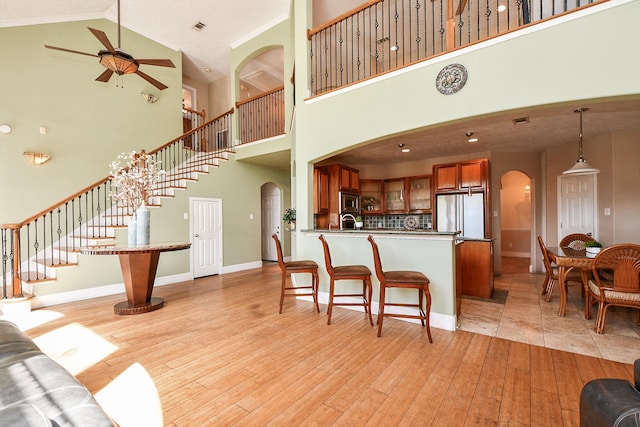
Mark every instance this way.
x=57 y=263
x=36 y=278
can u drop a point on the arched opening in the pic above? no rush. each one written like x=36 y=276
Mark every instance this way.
x=262 y=74
x=515 y=222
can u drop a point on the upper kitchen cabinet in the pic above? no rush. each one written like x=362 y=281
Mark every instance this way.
x=419 y=193
x=321 y=194
x=464 y=176
x=395 y=196
x=348 y=178
x=371 y=195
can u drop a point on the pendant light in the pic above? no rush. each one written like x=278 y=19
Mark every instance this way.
x=581 y=165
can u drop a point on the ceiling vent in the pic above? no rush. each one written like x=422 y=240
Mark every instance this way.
x=521 y=120
x=199 y=26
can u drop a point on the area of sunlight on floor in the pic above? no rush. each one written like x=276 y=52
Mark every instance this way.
x=132 y=387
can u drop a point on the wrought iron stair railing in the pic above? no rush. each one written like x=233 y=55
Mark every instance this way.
x=32 y=249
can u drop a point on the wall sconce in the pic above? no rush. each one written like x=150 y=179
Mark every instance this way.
x=37 y=158
x=149 y=97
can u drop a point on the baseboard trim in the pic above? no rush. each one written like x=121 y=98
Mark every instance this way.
x=101 y=291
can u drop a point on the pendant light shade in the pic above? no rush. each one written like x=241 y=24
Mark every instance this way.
x=581 y=165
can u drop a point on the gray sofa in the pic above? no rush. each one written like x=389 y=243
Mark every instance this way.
x=36 y=391
x=611 y=402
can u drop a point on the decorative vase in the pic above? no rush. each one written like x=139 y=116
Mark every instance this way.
x=359 y=224
x=292 y=225
x=131 y=232
x=143 y=228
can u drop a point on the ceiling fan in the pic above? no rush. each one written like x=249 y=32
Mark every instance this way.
x=117 y=61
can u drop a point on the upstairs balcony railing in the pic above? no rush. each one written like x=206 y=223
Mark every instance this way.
x=261 y=116
x=49 y=238
x=384 y=35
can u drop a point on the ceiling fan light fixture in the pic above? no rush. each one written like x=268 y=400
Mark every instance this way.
x=119 y=64
x=581 y=165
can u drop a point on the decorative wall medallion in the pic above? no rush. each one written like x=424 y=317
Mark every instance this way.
x=451 y=79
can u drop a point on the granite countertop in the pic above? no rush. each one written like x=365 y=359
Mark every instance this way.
x=420 y=231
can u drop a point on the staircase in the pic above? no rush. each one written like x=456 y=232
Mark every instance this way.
x=35 y=249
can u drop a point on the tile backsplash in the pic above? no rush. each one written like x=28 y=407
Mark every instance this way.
x=423 y=221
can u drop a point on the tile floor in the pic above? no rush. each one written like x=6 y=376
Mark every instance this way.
x=526 y=317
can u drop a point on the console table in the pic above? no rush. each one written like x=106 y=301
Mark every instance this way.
x=139 y=265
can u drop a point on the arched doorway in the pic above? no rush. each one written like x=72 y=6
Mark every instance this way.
x=516 y=223
x=270 y=214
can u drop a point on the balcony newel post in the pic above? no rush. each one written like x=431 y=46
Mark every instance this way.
x=450 y=27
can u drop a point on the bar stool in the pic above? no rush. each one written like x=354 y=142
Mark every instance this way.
x=347 y=272
x=401 y=279
x=295 y=267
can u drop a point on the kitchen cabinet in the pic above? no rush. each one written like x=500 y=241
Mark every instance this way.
x=394 y=195
x=321 y=193
x=462 y=176
x=419 y=193
x=476 y=259
x=371 y=196
x=348 y=178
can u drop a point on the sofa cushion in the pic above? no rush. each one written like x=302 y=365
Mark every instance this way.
x=13 y=340
x=24 y=415
x=33 y=378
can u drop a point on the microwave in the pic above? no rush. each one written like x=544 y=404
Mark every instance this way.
x=349 y=203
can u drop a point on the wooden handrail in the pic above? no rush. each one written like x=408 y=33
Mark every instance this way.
x=314 y=31
x=104 y=180
x=262 y=95
x=191 y=132
x=202 y=113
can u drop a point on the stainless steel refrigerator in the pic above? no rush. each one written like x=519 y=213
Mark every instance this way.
x=461 y=212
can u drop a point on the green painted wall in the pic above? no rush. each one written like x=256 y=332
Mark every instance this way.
x=88 y=123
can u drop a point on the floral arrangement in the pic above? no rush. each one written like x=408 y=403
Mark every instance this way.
x=289 y=215
x=133 y=176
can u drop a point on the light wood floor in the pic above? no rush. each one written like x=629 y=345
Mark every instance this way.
x=220 y=354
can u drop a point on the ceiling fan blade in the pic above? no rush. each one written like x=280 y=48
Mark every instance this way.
x=105 y=76
x=102 y=37
x=151 y=80
x=70 y=51
x=158 y=62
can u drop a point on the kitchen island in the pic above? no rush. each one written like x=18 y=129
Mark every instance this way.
x=430 y=252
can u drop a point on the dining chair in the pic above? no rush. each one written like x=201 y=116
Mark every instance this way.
x=347 y=272
x=622 y=261
x=296 y=267
x=575 y=241
x=551 y=273
x=405 y=280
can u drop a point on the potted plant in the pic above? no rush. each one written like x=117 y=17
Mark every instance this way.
x=358 y=222
x=593 y=246
x=290 y=218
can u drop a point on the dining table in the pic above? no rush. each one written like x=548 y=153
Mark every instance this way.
x=567 y=259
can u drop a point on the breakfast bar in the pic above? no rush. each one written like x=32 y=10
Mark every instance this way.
x=429 y=252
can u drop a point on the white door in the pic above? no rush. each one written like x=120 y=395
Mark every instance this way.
x=270 y=212
x=577 y=210
x=206 y=236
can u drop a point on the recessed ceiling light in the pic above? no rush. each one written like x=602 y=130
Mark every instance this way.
x=473 y=140
x=403 y=148
x=5 y=129
x=207 y=69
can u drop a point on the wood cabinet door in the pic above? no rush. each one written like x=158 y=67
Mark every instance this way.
x=395 y=196
x=419 y=193
x=446 y=177
x=345 y=179
x=354 y=180
x=321 y=195
x=371 y=196
x=472 y=175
